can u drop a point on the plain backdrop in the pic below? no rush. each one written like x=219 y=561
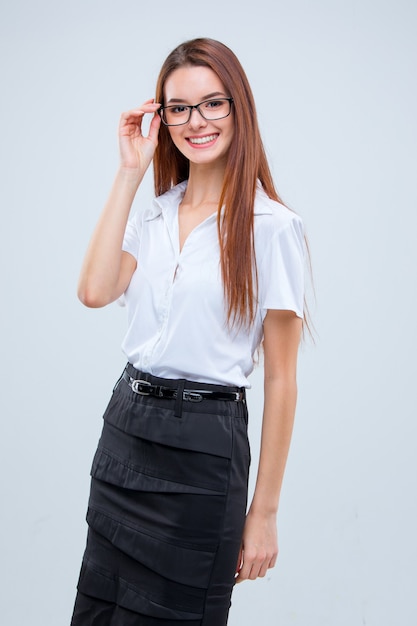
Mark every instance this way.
x=335 y=86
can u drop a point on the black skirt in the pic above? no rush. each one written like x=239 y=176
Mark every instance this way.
x=166 y=510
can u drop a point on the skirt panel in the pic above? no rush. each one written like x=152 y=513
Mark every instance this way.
x=166 y=513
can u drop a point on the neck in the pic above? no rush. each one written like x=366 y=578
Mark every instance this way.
x=204 y=186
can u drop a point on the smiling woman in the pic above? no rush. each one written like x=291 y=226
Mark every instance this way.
x=211 y=269
x=202 y=132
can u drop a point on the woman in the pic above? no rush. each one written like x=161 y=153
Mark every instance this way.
x=210 y=270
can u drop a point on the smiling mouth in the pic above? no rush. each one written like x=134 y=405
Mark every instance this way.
x=202 y=140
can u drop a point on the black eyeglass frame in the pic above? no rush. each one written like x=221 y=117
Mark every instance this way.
x=190 y=108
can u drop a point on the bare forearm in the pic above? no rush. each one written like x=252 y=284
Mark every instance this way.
x=277 y=427
x=100 y=272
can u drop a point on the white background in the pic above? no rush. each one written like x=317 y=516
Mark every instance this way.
x=335 y=85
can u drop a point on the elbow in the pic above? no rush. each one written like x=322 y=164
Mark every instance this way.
x=92 y=297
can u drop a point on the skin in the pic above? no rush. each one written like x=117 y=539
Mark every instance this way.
x=191 y=85
x=107 y=270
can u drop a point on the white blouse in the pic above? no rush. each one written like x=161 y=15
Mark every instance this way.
x=175 y=303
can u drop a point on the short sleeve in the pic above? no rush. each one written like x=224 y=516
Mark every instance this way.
x=281 y=269
x=130 y=244
x=131 y=237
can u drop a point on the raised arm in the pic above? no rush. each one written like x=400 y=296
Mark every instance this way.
x=107 y=270
x=282 y=331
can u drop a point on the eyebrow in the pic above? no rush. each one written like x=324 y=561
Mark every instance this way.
x=215 y=94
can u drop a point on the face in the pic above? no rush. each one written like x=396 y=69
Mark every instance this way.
x=201 y=141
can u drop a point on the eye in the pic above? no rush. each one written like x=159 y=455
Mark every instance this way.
x=213 y=104
x=178 y=109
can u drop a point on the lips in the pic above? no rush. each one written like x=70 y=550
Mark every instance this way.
x=202 y=140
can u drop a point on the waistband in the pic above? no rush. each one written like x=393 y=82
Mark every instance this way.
x=146 y=384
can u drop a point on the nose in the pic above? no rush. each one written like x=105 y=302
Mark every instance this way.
x=196 y=119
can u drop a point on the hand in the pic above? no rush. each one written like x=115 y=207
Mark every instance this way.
x=136 y=150
x=259 y=548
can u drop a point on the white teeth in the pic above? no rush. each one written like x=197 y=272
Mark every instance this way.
x=202 y=139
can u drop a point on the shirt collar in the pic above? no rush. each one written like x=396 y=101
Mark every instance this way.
x=167 y=202
x=170 y=200
x=262 y=201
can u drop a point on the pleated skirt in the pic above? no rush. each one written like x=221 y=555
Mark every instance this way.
x=166 y=510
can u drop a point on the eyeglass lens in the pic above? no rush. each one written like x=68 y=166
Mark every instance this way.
x=209 y=109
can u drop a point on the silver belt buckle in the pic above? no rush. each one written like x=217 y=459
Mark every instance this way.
x=136 y=384
x=192 y=396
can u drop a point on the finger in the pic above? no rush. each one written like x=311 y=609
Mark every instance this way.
x=256 y=564
x=266 y=564
x=134 y=115
x=154 y=128
x=247 y=572
x=149 y=106
x=245 y=569
x=130 y=121
x=254 y=571
x=263 y=569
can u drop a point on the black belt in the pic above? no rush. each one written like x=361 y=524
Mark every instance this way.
x=144 y=388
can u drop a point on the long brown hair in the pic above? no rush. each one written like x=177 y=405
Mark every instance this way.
x=246 y=164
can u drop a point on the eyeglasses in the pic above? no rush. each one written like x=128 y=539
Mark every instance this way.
x=179 y=114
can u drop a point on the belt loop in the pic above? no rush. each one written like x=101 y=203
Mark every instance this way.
x=179 y=398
